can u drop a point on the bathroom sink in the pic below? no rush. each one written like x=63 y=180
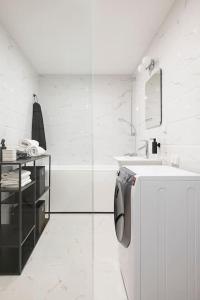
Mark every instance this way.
x=137 y=160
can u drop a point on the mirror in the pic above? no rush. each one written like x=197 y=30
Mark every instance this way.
x=153 y=100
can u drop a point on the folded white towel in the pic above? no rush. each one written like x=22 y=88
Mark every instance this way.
x=10 y=182
x=31 y=150
x=35 y=150
x=14 y=180
x=15 y=185
x=11 y=179
x=27 y=142
x=15 y=174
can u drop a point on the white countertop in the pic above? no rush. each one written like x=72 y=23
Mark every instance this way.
x=137 y=160
x=162 y=171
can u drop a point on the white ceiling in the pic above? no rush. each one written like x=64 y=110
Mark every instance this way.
x=83 y=36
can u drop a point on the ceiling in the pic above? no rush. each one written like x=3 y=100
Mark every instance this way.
x=83 y=36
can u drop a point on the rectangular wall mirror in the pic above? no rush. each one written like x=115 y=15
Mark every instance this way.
x=153 y=100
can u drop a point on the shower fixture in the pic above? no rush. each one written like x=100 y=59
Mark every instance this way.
x=130 y=124
x=147 y=64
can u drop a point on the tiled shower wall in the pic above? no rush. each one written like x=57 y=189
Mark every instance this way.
x=87 y=124
x=18 y=82
x=176 y=47
x=85 y=114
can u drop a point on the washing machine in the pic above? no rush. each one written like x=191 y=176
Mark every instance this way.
x=157 y=222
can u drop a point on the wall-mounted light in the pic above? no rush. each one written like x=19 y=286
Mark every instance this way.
x=147 y=64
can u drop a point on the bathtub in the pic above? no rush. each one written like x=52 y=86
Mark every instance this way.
x=82 y=188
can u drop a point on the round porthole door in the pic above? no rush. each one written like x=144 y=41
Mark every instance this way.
x=119 y=212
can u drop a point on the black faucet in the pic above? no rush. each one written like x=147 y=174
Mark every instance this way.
x=155 y=146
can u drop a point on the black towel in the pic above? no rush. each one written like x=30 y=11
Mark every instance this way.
x=38 y=133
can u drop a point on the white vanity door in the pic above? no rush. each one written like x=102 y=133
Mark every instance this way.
x=170 y=240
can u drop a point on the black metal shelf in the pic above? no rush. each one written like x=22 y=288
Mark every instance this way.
x=47 y=188
x=9 y=237
x=26 y=234
x=15 y=190
x=12 y=200
x=24 y=161
x=46 y=222
x=20 y=228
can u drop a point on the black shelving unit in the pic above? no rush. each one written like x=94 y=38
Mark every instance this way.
x=19 y=232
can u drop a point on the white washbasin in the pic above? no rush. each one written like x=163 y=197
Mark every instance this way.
x=137 y=160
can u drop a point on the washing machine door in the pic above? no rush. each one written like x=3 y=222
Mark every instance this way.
x=119 y=211
x=122 y=206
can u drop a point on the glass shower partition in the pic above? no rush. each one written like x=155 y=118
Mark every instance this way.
x=66 y=101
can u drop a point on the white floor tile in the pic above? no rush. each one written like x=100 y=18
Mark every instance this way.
x=69 y=260
x=108 y=283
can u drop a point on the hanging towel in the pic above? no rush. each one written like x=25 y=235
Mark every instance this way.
x=38 y=133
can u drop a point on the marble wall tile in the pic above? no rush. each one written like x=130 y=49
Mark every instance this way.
x=176 y=47
x=111 y=117
x=84 y=117
x=66 y=102
x=18 y=82
x=87 y=123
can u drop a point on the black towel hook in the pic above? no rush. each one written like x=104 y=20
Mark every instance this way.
x=35 y=98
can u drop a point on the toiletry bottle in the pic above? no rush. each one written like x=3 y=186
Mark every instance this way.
x=3 y=146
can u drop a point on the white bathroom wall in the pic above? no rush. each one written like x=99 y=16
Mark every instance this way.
x=85 y=129
x=111 y=97
x=18 y=82
x=66 y=102
x=73 y=188
x=80 y=108
x=177 y=48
